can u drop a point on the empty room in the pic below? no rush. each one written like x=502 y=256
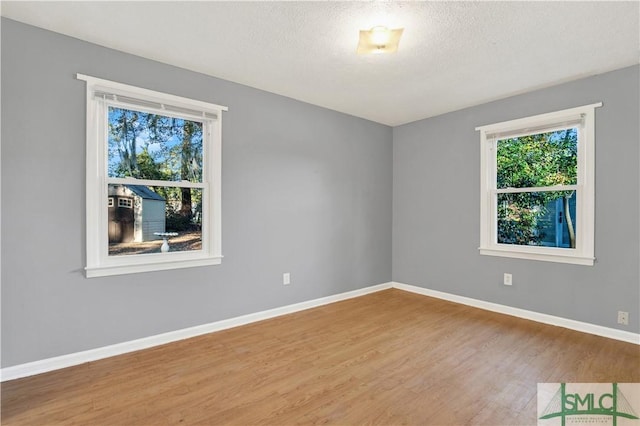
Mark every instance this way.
x=279 y=213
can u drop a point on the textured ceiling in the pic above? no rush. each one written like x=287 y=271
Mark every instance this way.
x=452 y=54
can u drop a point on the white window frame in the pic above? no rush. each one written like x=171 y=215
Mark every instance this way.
x=110 y=202
x=583 y=118
x=125 y=202
x=99 y=263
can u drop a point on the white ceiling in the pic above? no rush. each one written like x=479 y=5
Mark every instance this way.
x=452 y=54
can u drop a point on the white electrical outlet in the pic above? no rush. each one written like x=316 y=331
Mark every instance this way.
x=508 y=279
x=286 y=278
x=623 y=317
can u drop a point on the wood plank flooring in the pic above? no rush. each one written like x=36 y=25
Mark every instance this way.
x=390 y=357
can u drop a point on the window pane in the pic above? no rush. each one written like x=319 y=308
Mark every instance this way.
x=543 y=159
x=142 y=216
x=537 y=218
x=152 y=146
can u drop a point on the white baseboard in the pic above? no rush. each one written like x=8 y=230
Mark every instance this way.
x=584 y=327
x=63 y=361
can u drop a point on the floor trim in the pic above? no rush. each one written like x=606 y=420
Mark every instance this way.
x=63 y=361
x=598 y=330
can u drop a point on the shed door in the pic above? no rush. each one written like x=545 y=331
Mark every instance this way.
x=121 y=220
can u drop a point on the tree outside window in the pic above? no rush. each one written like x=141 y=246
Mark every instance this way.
x=151 y=146
x=538 y=160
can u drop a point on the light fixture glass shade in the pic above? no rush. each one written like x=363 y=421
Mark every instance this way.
x=379 y=40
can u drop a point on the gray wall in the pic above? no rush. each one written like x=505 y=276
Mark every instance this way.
x=436 y=207
x=305 y=190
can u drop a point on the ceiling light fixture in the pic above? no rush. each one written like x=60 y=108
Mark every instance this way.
x=379 y=40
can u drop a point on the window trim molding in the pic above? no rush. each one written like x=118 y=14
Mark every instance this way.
x=584 y=253
x=98 y=262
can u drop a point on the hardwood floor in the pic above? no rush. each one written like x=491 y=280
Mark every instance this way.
x=390 y=357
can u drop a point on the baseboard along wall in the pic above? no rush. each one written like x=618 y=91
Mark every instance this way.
x=585 y=327
x=69 y=360
x=64 y=361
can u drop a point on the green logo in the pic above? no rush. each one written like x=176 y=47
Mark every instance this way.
x=565 y=404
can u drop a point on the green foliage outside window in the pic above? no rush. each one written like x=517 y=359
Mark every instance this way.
x=531 y=161
x=150 y=146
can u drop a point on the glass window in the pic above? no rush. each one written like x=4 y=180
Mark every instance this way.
x=158 y=155
x=125 y=202
x=538 y=187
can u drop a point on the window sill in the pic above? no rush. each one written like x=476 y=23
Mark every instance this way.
x=540 y=254
x=163 y=265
